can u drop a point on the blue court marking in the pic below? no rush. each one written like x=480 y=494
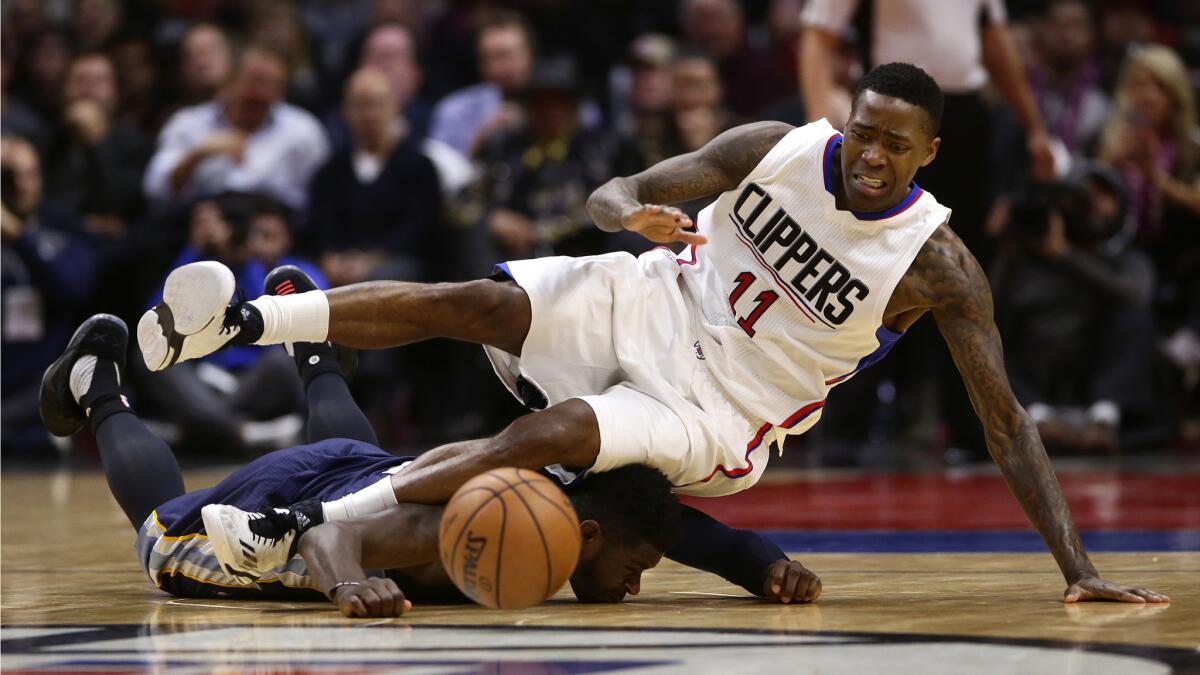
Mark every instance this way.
x=986 y=541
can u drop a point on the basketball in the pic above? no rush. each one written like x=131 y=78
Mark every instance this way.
x=509 y=538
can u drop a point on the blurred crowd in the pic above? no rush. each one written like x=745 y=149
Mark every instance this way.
x=425 y=140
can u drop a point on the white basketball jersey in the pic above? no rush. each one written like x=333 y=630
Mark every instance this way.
x=790 y=291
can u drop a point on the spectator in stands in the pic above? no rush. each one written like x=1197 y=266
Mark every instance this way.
x=1066 y=78
x=537 y=178
x=41 y=69
x=391 y=49
x=246 y=139
x=143 y=104
x=466 y=118
x=277 y=26
x=1152 y=138
x=1075 y=281
x=375 y=207
x=1123 y=23
x=47 y=273
x=205 y=62
x=95 y=23
x=96 y=161
x=241 y=399
x=752 y=78
x=645 y=84
x=698 y=102
x=18 y=118
x=693 y=115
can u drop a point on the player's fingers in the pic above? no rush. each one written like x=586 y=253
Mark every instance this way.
x=1151 y=596
x=357 y=607
x=778 y=574
x=814 y=590
x=801 y=588
x=407 y=606
x=1114 y=592
x=371 y=599
x=687 y=237
x=387 y=602
x=789 y=586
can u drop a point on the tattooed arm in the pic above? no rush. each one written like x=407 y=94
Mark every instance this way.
x=957 y=292
x=639 y=202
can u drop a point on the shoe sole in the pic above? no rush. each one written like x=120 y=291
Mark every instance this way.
x=222 y=546
x=194 y=297
x=103 y=335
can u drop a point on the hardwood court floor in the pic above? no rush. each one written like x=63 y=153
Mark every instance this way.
x=67 y=560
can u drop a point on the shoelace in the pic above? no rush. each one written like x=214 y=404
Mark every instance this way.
x=233 y=313
x=271 y=520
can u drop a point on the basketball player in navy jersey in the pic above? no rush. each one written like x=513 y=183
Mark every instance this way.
x=628 y=517
x=816 y=255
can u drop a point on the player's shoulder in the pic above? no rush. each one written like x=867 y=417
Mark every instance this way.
x=944 y=270
x=759 y=146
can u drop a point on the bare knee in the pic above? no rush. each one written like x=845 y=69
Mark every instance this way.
x=504 y=312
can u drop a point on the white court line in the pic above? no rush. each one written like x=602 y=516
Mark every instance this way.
x=201 y=604
x=719 y=595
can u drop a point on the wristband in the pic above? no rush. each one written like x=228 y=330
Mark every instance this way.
x=333 y=591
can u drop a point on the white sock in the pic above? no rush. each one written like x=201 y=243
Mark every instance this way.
x=303 y=317
x=81 y=375
x=372 y=499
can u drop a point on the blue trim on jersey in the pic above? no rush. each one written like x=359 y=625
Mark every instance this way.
x=504 y=266
x=975 y=541
x=914 y=190
x=887 y=339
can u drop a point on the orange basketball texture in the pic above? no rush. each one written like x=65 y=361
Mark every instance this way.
x=509 y=538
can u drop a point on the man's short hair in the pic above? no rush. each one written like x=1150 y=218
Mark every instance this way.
x=505 y=18
x=633 y=504
x=907 y=83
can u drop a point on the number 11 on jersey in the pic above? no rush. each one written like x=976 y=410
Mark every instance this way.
x=764 y=300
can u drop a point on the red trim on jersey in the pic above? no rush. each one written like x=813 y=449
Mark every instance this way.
x=750 y=447
x=758 y=439
x=802 y=413
x=681 y=261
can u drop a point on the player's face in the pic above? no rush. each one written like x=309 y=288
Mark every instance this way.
x=885 y=141
x=613 y=572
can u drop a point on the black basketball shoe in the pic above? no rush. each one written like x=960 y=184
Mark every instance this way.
x=104 y=336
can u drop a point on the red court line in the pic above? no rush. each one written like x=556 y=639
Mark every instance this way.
x=1099 y=500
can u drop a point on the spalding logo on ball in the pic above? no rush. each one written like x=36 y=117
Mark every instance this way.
x=509 y=538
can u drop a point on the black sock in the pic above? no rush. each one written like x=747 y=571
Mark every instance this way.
x=245 y=316
x=332 y=412
x=103 y=398
x=315 y=358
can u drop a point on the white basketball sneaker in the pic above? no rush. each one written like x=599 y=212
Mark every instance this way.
x=249 y=544
x=191 y=321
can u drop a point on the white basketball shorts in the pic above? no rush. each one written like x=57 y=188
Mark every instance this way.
x=618 y=333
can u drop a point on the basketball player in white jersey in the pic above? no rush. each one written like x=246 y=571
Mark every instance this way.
x=817 y=254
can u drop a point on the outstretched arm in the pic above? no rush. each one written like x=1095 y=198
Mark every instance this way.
x=961 y=302
x=640 y=202
x=336 y=554
x=742 y=557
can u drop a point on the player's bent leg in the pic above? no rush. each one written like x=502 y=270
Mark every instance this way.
x=247 y=543
x=566 y=434
x=324 y=369
x=391 y=313
x=83 y=387
x=195 y=317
